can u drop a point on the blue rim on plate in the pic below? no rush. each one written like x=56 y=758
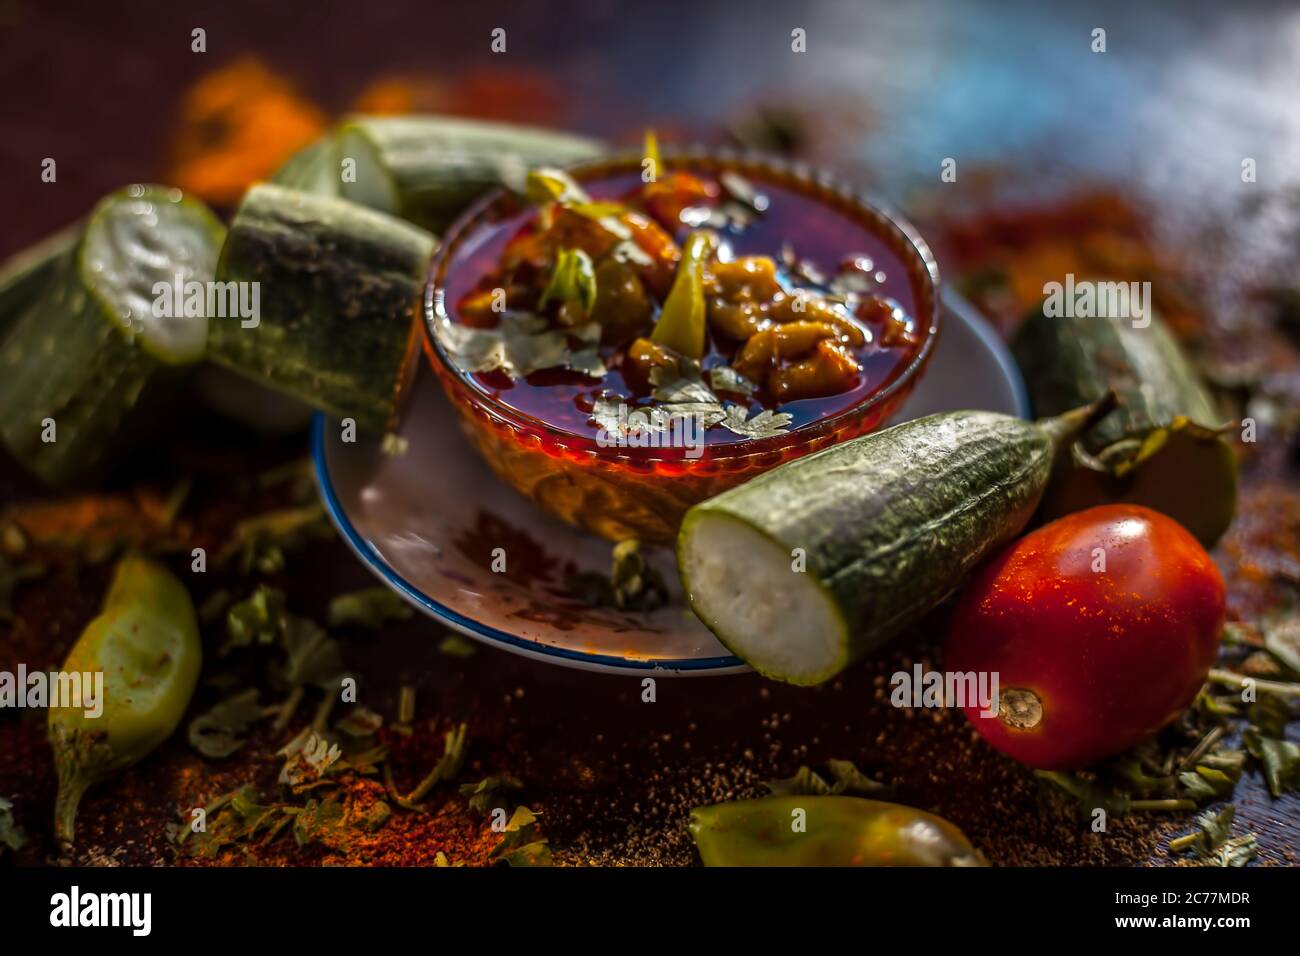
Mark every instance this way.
x=373 y=560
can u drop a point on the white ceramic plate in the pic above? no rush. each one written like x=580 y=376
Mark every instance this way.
x=426 y=523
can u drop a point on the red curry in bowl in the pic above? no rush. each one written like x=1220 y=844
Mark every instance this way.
x=622 y=341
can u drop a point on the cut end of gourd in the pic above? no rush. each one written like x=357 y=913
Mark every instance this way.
x=145 y=251
x=368 y=181
x=745 y=587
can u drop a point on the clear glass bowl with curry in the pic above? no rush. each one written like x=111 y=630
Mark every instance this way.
x=625 y=338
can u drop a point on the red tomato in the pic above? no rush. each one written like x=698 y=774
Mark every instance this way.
x=1101 y=627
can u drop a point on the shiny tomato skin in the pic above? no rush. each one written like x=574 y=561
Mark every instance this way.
x=1113 y=655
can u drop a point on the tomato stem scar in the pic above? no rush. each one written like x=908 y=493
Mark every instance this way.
x=1020 y=708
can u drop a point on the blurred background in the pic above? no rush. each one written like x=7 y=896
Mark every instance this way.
x=885 y=91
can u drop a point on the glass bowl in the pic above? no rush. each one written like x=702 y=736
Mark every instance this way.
x=643 y=493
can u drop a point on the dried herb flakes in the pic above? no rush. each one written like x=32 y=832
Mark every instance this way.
x=218 y=733
x=846 y=778
x=1213 y=843
x=369 y=608
x=11 y=834
x=522 y=845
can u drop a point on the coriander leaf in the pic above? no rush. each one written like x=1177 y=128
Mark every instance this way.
x=369 y=608
x=1206 y=783
x=521 y=845
x=765 y=424
x=314 y=657
x=360 y=722
x=588 y=333
x=375 y=817
x=724 y=378
x=317 y=818
x=1230 y=762
x=11 y=834
x=589 y=363
x=805 y=782
x=849 y=779
x=618 y=418
x=258 y=619
x=536 y=853
x=1214 y=844
x=260 y=542
x=455 y=645
x=1281 y=760
x=520 y=345
x=230 y=818
x=1092 y=795
x=482 y=796
x=708 y=414
x=1236 y=852
x=607 y=414
x=308 y=758
x=1269 y=715
x=677 y=367
x=471 y=349
x=1282 y=640
x=1217 y=827
x=526 y=354
x=218 y=733
x=687 y=391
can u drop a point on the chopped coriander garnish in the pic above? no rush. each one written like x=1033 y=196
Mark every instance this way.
x=846 y=777
x=370 y=608
x=218 y=733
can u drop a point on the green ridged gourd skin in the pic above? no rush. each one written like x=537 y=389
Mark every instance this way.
x=339 y=285
x=1162 y=447
x=313 y=169
x=885 y=526
x=24 y=276
x=426 y=169
x=88 y=368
